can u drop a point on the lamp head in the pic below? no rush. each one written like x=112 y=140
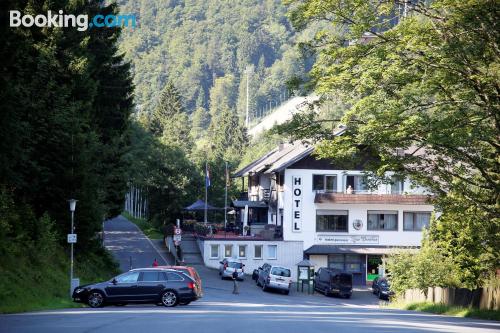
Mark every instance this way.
x=72 y=204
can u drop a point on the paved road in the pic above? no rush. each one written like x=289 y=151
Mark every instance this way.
x=130 y=246
x=219 y=311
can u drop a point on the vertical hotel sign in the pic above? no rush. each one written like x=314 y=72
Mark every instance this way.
x=297 y=204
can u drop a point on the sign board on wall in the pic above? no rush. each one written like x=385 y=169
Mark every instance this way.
x=348 y=239
x=296 y=204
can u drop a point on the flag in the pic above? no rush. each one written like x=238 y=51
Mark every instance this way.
x=207 y=176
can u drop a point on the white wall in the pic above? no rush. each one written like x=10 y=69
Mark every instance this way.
x=319 y=260
x=289 y=254
x=356 y=212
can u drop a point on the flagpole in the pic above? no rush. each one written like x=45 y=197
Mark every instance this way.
x=225 y=201
x=206 y=191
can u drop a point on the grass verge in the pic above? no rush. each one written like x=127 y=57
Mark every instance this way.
x=147 y=228
x=32 y=286
x=457 y=311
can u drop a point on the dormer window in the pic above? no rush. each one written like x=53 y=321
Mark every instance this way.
x=325 y=183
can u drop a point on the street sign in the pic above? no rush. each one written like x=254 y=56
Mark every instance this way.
x=71 y=238
x=177 y=231
x=177 y=238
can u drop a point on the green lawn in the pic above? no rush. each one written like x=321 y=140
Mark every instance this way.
x=27 y=286
x=149 y=230
x=456 y=311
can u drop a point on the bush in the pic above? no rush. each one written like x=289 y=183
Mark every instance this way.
x=427 y=268
x=201 y=229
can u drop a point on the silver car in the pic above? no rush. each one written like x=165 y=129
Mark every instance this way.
x=275 y=277
x=228 y=267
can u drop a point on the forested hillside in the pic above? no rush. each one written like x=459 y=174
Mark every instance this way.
x=196 y=43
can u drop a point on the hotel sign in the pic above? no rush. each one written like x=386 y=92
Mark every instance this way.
x=296 y=204
x=348 y=239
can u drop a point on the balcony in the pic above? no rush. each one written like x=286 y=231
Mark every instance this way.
x=399 y=199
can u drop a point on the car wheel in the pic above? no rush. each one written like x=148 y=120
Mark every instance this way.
x=287 y=292
x=169 y=298
x=184 y=303
x=96 y=299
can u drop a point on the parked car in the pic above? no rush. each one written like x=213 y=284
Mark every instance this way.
x=331 y=281
x=227 y=267
x=191 y=272
x=275 y=277
x=256 y=273
x=382 y=288
x=142 y=285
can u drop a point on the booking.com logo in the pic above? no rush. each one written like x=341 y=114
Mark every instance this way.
x=81 y=22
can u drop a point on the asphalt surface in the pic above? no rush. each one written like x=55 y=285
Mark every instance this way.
x=220 y=311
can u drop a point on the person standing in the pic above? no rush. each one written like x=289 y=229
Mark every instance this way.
x=235 y=283
x=155 y=263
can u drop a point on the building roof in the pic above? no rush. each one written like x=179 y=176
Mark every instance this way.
x=401 y=199
x=199 y=205
x=250 y=204
x=354 y=249
x=278 y=159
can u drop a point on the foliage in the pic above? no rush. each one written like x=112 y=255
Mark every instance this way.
x=420 y=82
x=439 y=308
x=66 y=102
x=201 y=229
x=196 y=43
x=146 y=227
x=32 y=262
x=170 y=180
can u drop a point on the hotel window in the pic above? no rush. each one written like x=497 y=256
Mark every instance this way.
x=416 y=221
x=228 y=251
x=258 y=252
x=332 y=220
x=357 y=183
x=242 y=251
x=327 y=183
x=382 y=220
x=272 y=251
x=214 y=251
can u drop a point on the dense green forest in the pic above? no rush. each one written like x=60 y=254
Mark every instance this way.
x=66 y=101
x=204 y=47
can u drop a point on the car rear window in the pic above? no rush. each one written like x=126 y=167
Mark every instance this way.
x=236 y=265
x=280 y=271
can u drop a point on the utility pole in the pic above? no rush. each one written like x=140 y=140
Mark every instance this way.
x=225 y=200
x=247 y=118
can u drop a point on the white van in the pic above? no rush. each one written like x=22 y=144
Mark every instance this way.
x=275 y=277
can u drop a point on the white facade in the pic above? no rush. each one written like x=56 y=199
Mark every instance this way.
x=357 y=213
x=282 y=253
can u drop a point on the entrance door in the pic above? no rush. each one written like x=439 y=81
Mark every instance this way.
x=374 y=263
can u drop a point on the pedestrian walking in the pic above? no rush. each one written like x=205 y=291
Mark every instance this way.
x=155 y=263
x=235 y=283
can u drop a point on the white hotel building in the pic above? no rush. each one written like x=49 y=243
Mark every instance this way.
x=299 y=206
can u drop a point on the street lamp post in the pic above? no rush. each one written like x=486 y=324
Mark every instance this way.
x=71 y=240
